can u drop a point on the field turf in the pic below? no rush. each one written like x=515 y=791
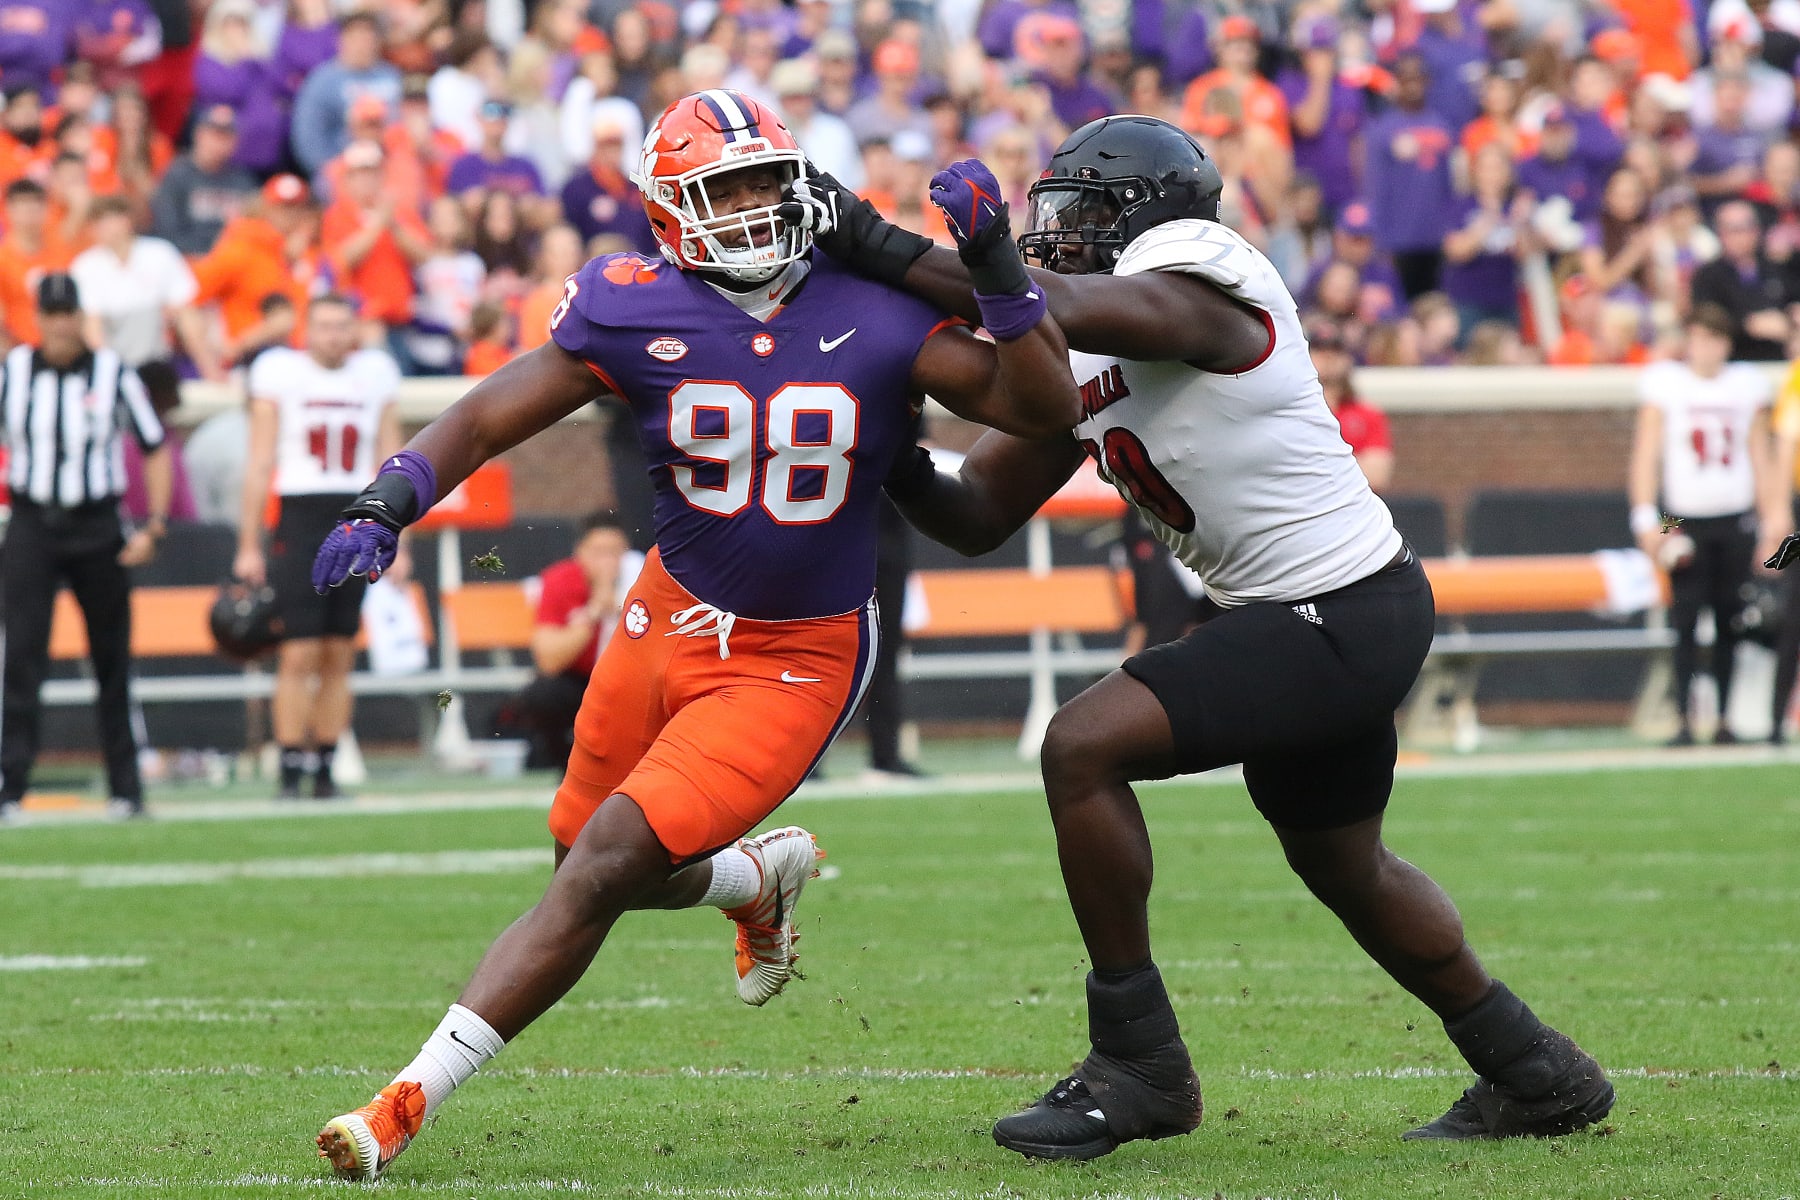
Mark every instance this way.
x=182 y=1003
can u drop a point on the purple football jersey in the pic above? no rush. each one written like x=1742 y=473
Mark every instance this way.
x=767 y=441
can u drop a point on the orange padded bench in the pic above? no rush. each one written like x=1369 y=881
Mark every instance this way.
x=1541 y=583
x=166 y=622
x=1001 y=602
x=491 y=616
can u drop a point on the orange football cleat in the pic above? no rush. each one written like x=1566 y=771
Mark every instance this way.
x=361 y=1144
x=765 y=926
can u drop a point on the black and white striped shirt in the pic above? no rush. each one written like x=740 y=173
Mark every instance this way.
x=65 y=426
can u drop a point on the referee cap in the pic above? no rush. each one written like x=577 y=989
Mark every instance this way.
x=56 y=293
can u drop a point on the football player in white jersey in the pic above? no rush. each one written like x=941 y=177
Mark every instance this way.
x=321 y=420
x=1201 y=405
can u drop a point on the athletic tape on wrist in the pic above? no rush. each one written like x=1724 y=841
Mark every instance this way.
x=1010 y=317
x=417 y=471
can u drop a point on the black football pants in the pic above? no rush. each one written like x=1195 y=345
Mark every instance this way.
x=45 y=548
x=1723 y=548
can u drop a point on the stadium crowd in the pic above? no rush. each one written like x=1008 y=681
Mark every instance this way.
x=1477 y=181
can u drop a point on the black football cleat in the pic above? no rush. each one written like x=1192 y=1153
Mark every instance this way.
x=1107 y=1103
x=1577 y=1095
x=1064 y=1124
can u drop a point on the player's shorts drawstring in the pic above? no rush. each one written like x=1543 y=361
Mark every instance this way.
x=704 y=620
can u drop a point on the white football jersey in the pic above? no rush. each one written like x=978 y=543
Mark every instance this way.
x=1244 y=475
x=1706 y=457
x=329 y=418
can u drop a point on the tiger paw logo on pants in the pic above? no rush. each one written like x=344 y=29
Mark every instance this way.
x=637 y=619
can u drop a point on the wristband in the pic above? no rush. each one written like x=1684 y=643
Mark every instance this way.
x=1645 y=518
x=1009 y=317
x=911 y=475
x=994 y=263
x=875 y=246
x=417 y=470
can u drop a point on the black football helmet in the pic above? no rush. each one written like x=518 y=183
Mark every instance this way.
x=1108 y=182
x=244 y=621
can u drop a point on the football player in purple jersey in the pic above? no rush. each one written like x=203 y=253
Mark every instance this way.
x=773 y=391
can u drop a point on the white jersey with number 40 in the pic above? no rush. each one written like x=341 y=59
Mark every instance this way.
x=1243 y=474
x=329 y=417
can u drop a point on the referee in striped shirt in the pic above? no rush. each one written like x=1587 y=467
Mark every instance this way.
x=66 y=408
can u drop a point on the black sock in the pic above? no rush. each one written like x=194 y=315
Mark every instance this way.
x=1503 y=1039
x=322 y=772
x=1129 y=1013
x=293 y=766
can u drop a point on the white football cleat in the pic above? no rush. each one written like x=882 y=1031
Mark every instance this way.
x=787 y=858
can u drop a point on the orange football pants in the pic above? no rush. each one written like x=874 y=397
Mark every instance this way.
x=708 y=746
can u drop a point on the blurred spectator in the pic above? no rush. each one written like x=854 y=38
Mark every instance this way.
x=234 y=69
x=1736 y=42
x=577 y=613
x=309 y=39
x=1440 y=329
x=1336 y=301
x=1701 y=455
x=592 y=96
x=838 y=83
x=1000 y=22
x=560 y=255
x=473 y=74
x=1408 y=172
x=163 y=387
x=1364 y=427
x=490 y=339
x=1327 y=112
x=636 y=56
x=115 y=37
x=1012 y=158
x=899 y=173
x=204 y=188
x=1490 y=232
x=424 y=151
x=272 y=252
x=1665 y=30
x=71 y=202
x=1683 y=242
x=826 y=139
x=451 y=279
x=1597 y=331
x=141 y=153
x=758 y=50
x=133 y=288
x=811 y=18
x=372 y=245
x=534 y=130
x=25 y=150
x=321 y=111
x=1555 y=170
x=1353 y=243
x=33 y=248
x=1727 y=149
x=1621 y=242
x=1146 y=92
x=1455 y=57
x=1077 y=99
x=889 y=109
x=1494 y=344
x=504 y=245
x=1753 y=291
x=1259 y=102
x=948 y=144
x=35 y=40
x=488 y=167
x=600 y=199
x=1499 y=119
x=1247 y=158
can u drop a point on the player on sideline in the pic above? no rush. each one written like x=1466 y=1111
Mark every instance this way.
x=773 y=391
x=1202 y=407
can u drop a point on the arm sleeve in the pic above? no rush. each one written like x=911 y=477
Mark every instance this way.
x=182 y=287
x=138 y=408
x=261 y=383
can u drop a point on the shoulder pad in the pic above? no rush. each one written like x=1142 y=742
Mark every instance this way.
x=1195 y=247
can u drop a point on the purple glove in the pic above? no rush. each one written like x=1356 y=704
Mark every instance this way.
x=361 y=547
x=969 y=196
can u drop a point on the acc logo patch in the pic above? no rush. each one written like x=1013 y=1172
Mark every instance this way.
x=637 y=619
x=762 y=345
x=668 y=349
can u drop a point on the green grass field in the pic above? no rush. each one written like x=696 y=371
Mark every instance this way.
x=247 y=979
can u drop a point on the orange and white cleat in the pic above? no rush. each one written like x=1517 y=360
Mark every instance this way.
x=361 y=1144
x=787 y=858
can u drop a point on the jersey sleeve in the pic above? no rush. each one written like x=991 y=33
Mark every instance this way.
x=265 y=375
x=138 y=409
x=1651 y=392
x=383 y=375
x=571 y=325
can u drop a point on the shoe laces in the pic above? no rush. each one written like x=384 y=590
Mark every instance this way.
x=1068 y=1093
x=705 y=620
x=394 y=1116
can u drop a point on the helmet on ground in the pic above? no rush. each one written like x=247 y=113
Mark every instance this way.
x=1108 y=182
x=244 y=620
x=1759 y=617
x=698 y=139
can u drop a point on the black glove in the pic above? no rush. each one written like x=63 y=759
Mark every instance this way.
x=1786 y=553
x=850 y=230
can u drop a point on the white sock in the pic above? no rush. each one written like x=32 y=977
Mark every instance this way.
x=451 y=1055
x=736 y=879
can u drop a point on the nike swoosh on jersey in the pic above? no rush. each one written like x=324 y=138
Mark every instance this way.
x=790 y=677
x=826 y=347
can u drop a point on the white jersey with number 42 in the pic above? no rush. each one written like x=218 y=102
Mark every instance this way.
x=1243 y=474
x=329 y=417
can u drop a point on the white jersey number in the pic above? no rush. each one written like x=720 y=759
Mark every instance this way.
x=811 y=435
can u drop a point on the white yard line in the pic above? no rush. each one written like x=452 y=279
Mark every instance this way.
x=333 y=866
x=67 y=962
